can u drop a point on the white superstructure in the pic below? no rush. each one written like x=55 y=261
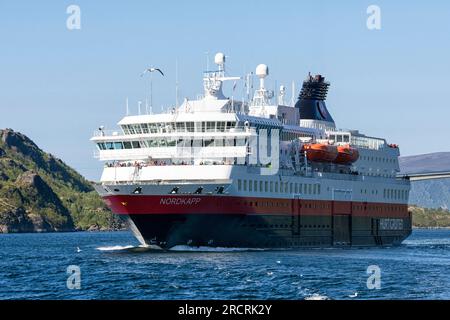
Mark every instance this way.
x=208 y=136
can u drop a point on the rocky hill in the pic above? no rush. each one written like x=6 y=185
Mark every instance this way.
x=430 y=218
x=40 y=193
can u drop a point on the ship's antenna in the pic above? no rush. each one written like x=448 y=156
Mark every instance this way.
x=151 y=91
x=293 y=94
x=176 y=83
x=151 y=70
x=249 y=84
x=139 y=107
x=207 y=60
x=146 y=105
x=275 y=87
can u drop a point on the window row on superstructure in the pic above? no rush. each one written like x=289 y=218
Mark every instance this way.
x=188 y=126
x=278 y=187
x=395 y=194
x=378 y=159
x=339 y=137
x=173 y=142
x=307 y=188
x=290 y=136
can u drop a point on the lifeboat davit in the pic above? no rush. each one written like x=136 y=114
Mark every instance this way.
x=320 y=152
x=346 y=155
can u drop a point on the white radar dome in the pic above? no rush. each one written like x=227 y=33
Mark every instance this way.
x=262 y=70
x=219 y=58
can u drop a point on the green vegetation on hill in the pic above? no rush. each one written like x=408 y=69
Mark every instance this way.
x=430 y=218
x=39 y=192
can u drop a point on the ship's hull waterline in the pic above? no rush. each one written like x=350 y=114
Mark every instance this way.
x=263 y=223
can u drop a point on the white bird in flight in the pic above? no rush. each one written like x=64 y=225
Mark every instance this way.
x=152 y=70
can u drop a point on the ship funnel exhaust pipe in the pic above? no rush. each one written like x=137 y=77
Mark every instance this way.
x=311 y=102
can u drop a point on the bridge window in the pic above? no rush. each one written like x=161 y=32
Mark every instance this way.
x=137 y=128
x=101 y=146
x=127 y=145
x=221 y=126
x=109 y=146
x=231 y=124
x=190 y=126
x=153 y=128
x=125 y=129
x=181 y=127
x=136 y=144
x=152 y=143
x=239 y=184
x=210 y=126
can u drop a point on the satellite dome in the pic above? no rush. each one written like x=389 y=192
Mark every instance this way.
x=219 y=58
x=262 y=70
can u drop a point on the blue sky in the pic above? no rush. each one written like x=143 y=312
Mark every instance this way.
x=58 y=86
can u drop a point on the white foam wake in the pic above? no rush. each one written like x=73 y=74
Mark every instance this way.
x=139 y=248
x=115 y=248
x=427 y=242
x=317 y=296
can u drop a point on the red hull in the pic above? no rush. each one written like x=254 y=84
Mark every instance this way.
x=206 y=204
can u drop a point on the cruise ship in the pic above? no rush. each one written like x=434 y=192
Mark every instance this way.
x=258 y=172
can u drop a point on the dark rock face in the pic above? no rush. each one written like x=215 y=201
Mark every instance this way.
x=15 y=220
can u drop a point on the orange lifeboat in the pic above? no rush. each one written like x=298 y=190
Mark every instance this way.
x=346 y=155
x=320 y=152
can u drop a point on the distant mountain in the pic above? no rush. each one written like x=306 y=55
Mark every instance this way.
x=428 y=193
x=39 y=192
x=431 y=162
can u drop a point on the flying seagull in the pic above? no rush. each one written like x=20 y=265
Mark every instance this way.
x=152 y=70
